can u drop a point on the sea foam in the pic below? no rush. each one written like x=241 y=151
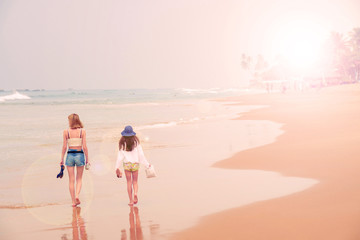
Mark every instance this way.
x=15 y=96
x=168 y=124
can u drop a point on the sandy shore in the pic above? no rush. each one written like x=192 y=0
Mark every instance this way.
x=310 y=138
x=321 y=141
x=186 y=188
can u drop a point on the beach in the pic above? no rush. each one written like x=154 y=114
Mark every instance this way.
x=248 y=111
x=320 y=141
x=254 y=166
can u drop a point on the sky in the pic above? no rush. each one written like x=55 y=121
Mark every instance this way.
x=117 y=44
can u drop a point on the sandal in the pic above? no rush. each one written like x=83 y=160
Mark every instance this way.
x=61 y=173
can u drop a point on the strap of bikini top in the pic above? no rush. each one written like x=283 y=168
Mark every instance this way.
x=80 y=133
x=68 y=133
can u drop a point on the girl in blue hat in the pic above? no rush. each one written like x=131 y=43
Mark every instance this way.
x=131 y=155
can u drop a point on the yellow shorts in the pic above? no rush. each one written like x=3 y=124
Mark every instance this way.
x=131 y=167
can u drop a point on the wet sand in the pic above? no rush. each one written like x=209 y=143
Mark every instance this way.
x=321 y=141
x=186 y=188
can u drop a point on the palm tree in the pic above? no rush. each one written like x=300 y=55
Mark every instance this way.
x=260 y=67
x=354 y=39
x=354 y=42
x=246 y=62
x=340 y=52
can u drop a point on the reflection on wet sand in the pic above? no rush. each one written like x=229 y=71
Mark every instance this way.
x=155 y=231
x=135 y=225
x=78 y=226
x=136 y=232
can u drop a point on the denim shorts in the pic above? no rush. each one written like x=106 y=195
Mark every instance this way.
x=75 y=158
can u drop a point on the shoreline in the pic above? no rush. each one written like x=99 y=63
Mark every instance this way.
x=164 y=194
x=321 y=139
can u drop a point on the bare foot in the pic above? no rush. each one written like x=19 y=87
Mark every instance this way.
x=77 y=201
x=135 y=199
x=118 y=173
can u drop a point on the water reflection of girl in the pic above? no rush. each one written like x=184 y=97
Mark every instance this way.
x=135 y=226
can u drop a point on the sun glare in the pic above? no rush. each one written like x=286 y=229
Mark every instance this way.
x=299 y=42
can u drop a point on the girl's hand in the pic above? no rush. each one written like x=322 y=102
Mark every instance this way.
x=118 y=173
x=62 y=162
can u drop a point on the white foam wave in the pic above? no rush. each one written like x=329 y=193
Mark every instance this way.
x=195 y=91
x=15 y=96
x=168 y=124
x=210 y=90
x=157 y=125
x=141 y=104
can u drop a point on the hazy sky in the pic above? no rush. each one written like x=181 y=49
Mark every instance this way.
x=58 y=44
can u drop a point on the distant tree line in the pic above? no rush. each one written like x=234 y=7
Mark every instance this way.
x=345 y=51
x=340 y=60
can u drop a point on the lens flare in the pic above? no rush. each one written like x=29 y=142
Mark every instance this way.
x=298 y=39
x=46 y=197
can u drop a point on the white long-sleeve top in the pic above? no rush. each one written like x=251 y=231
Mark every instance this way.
x=134 y=156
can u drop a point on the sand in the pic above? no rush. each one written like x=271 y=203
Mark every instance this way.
x=290 y=171
x=321 y=141
x=186 y=188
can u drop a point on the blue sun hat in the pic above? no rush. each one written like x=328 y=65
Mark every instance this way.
x=128 y=132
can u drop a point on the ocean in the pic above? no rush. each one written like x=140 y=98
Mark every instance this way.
x=183 y=133
x=32 y=121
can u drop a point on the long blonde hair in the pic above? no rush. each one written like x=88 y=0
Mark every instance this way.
x=74 y=121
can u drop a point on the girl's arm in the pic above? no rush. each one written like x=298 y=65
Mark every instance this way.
x=64 y=147
x=142 y=157
x=84 y=146
x=119 y=159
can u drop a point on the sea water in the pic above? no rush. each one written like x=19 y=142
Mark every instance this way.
x=31 y=122
x=183 y=132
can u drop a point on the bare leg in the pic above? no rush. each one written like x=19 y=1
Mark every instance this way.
x=135 y=185
x=129 y=186
x=71 y=174
x=79 y=174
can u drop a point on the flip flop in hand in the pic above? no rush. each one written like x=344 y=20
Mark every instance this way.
x=61 y=173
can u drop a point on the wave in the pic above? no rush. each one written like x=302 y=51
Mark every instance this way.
x=219 y=91
x=23 y=206
x=192 y=91
x=140 y=104
x=197 y=91
x=15 y=96
x=157 y=125
x=167 y=124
